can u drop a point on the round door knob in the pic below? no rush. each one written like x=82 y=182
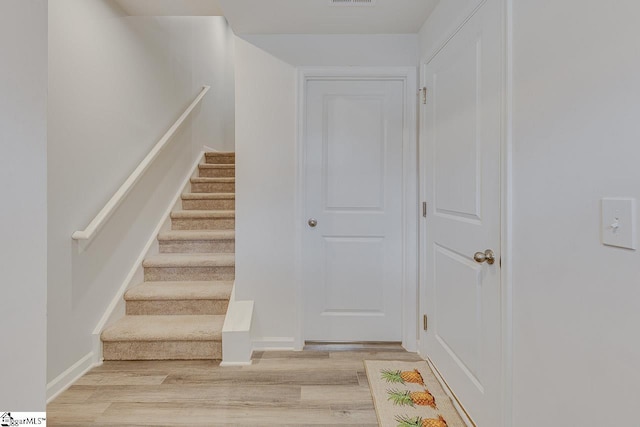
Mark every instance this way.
x=486 y=256
x=312 y=222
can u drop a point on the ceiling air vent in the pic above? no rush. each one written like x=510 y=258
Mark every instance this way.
x=352 y=2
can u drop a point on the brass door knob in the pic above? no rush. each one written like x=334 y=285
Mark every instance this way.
x=486 y=256
x=312 y=222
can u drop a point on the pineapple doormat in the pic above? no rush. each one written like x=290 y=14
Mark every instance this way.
x=407 y=394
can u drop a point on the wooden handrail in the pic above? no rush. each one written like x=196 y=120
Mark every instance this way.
x=96 y=224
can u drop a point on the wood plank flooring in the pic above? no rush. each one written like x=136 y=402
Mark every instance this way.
x=319 y=387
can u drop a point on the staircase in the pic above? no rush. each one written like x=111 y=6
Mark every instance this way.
x=179 y=309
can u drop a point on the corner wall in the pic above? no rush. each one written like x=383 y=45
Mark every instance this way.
x=266 y=169
x=265 y=179
x=23 y=211
x=116 y=84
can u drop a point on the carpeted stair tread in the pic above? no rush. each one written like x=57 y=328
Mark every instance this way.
x=220 y=158
x=226 y=169
x=212 y=180
x=190 y=260
x=165 y=328
x=213 y=185
x=186 y=290
x=178 y=312
x=214 y=166
x=189 y=214
x=208 y=196
x=189 y=235
x=220 y=153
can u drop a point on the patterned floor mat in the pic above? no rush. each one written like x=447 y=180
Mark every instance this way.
x=407 y=394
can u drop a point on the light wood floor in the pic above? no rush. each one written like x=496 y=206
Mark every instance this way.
x=322 y=386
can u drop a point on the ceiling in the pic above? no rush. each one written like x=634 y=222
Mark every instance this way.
x=171 y=7
x=296 y=16
x=318 y=17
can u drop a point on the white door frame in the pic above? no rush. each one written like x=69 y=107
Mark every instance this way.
x=408 y=76
x=506 y=184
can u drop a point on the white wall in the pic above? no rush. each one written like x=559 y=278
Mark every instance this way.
x=116 y=84
x=266 y=109
x=340 y=49
x=442 y=23
x=576 y=139
x=211 y=44
x=23 y=212
x=265 y=173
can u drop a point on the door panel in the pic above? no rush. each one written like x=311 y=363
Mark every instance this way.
x=457 y=180
x=352 y=259
x=355 y=130
x=457 y=306
x=460 y=160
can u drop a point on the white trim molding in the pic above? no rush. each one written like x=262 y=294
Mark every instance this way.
x=507 y=218
x=408 y=76
x=70 y=376
x=275 y=344
x=103 y=216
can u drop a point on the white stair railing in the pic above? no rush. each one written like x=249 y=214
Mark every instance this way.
x=98 y=222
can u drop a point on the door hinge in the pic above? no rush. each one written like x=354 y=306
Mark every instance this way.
x=425 y=322
x=423 y=92
x=424 y=209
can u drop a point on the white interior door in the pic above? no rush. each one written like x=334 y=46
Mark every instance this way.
x=460 y=165
x=352 y=253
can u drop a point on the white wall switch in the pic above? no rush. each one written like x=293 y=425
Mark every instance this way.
x=619 y=222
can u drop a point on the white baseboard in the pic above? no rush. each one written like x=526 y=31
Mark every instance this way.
x=115 y=309
x=224 y=364
x=71 y=375
x=456 y=403
x=411 y=345
x=274 y=344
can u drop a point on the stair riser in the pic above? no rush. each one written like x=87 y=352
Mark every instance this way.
x=220 y=160
x=162 y=350
x=177 y=307
x=203 y=223
x=208 y=205
x=213 y=187
x=164 y=274
x=217 y=173
x=198 y=246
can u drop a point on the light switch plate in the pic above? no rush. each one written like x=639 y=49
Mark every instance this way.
x=619 y=222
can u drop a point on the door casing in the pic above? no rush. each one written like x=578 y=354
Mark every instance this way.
x=506 y=195
x=408 y=76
